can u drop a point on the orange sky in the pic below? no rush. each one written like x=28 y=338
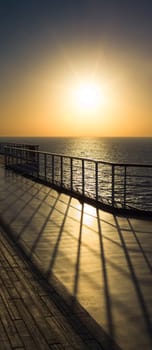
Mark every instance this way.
x=41 y=103
x=48 y=49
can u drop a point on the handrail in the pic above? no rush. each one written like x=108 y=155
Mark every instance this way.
x=147 y=165
x=17 y=145
x=119 y=186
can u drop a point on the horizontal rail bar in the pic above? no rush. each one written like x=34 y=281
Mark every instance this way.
x=86 y=159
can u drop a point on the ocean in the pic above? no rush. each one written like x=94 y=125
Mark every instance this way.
x=117 y=150
x=124 y=186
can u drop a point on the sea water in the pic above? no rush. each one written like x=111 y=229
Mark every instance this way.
x=117 y=150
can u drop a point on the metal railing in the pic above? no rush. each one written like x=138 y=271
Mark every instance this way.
x=17 y=145
x=113 y=186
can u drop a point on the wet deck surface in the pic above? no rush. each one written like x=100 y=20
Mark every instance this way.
x=103 y=261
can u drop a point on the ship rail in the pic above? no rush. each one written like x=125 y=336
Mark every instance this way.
x=121 y=187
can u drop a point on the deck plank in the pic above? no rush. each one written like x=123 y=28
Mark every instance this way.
x=29 y=318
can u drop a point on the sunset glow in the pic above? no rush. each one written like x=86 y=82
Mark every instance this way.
x=88 y=96
x=75 y=74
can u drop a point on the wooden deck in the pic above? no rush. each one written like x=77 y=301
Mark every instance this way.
x=99 y=264
x=32 y=316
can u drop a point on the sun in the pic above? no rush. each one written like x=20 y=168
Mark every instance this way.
x=87 y=96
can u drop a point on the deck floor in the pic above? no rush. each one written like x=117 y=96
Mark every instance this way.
x=32 y=315
x=103 y=261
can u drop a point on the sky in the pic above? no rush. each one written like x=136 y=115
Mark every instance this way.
x=52 y=53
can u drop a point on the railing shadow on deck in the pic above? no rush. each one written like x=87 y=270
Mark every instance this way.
x=28 y=230
x=16 y=236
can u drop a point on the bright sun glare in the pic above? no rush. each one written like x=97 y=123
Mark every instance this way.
x=87 y=96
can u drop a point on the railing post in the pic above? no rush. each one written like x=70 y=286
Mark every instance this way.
x=125 y=185
x=26 y=158
x=83 y=180
x=32 y=163
x=71 y=174
x=13 y=156
x=52 y=169
x=61 y=171
x=38 y=163
x=45 y=165
x=113 y=186
x=96 y=177
x=6 y=157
